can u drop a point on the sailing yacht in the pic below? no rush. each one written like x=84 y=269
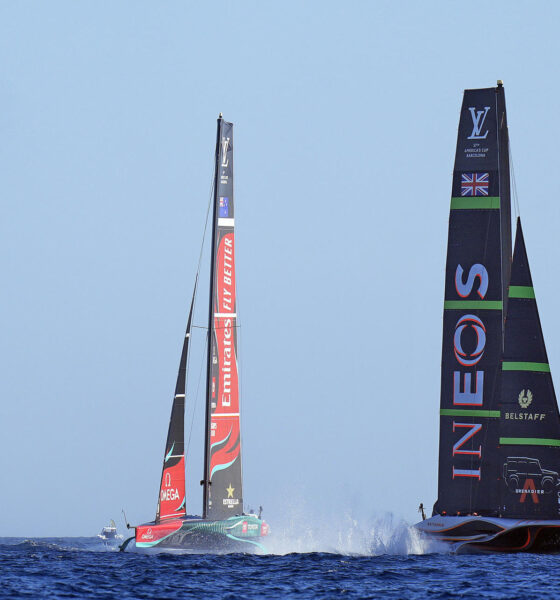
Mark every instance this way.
x=499 y=445
x=223 y=525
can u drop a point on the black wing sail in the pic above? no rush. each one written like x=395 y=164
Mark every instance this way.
x=478 y=259
x=172 y=493
x=223 y=491
x=529 y=424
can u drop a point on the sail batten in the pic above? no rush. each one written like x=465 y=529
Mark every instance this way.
x=529 y=441
x=536 y=367
x=475 y=203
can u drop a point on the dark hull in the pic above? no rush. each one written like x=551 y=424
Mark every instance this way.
x=488 y=534
x=243 y=533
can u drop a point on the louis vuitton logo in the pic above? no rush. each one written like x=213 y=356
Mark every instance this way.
x=225 y=144
x=478 y=117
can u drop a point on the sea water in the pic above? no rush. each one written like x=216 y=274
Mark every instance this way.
x=387 y=559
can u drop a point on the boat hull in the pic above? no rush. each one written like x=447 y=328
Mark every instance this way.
x=492 y=534
x=242 y=533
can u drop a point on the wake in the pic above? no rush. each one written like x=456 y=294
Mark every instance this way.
x=348 y=535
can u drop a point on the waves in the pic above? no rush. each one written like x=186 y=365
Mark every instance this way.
x=64 y=544
x=379 y=557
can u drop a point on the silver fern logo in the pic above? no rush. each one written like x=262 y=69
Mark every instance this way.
x=525 y=399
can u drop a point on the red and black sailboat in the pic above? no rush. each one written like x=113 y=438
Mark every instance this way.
x=499 y=448
x=223 y=525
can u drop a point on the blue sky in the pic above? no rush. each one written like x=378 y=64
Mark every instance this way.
x=345 y=128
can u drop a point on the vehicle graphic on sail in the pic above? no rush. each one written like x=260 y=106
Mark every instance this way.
x=499 y=447
x=223 y=525
x=518 y=469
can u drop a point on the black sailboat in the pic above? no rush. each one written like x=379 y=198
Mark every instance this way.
x=499 y=448
x=223 y=525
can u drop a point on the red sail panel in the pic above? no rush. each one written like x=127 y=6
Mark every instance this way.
x=172 y=491
x=223 y=485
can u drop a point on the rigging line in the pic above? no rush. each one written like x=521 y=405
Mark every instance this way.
x=202 y=363
x=514 y=185
x=210 y=197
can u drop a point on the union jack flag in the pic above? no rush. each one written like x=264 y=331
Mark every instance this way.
x=474 y=184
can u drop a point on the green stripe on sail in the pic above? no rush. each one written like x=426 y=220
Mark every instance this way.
x=526 y=366
x=463 y=412
x=521 y=291
x=473 y=304
x=529 y=442
x=466 y=202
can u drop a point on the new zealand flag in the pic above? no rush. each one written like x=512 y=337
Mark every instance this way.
x=224 y=207
x=474 y=184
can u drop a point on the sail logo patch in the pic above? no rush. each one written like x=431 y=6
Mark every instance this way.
x=474 y=184
x=224 y=163
x=537 y=481
x=230 y=501
x=525 y=399
x=469 y=341
x=478 y=118
x=169 y=494
x=225 y=144
x=524 y=416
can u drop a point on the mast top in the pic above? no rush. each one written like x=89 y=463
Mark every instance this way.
x=500 y=83
x=220 y=116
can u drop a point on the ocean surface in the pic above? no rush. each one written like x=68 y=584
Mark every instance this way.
x=391 y=563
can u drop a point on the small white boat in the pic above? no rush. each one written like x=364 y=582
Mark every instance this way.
x=109 y=532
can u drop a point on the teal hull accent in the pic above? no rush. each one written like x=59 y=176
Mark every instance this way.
x=242 y=533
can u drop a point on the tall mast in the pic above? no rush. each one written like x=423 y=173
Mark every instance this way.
x=504 y=192
x=206 y=481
